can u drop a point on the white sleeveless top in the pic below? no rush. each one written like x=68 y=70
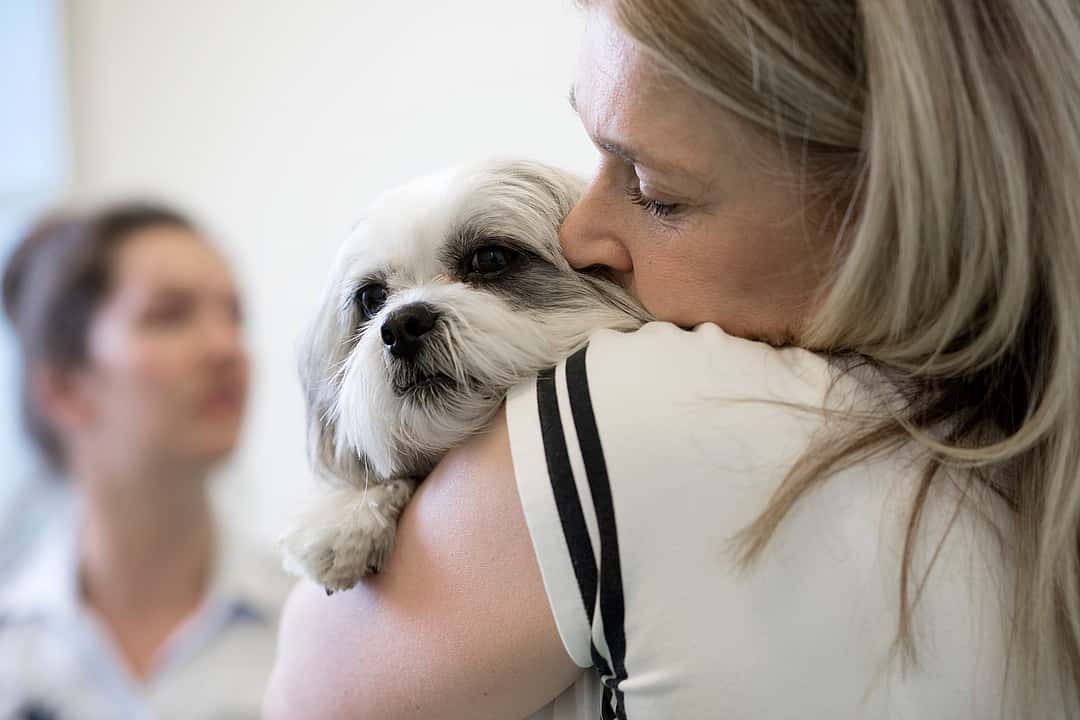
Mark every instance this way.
x=637 y=461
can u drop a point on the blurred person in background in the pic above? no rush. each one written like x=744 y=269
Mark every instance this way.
x=136 y=602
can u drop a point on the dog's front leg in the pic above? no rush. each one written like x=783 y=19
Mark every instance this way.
x=346 y=534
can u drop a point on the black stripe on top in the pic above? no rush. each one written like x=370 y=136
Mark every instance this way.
x=568 y=504
x=612 y=604
x=565 y=490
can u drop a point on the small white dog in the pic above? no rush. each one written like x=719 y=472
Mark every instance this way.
x=449 y=292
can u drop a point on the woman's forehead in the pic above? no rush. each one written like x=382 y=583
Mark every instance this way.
x=627 y=102
x=169 y=256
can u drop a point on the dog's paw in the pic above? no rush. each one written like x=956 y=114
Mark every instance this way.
x=338 y=558
x=347 y=535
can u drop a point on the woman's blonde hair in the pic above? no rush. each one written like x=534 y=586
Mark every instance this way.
x=948 y=133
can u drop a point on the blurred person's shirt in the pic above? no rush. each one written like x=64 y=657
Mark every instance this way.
x=26 y=507
x=58 y=663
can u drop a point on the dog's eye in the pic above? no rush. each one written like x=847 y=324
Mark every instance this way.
x=370 y=299
x=490 y=260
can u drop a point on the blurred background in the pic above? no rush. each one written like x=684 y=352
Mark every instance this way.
x=273 y=124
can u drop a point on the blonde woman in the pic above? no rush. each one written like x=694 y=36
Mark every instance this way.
x=841 y=479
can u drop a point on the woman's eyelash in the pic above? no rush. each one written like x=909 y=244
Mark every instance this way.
x=657 y=208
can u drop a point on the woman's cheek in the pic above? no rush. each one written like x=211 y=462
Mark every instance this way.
x=165 y=374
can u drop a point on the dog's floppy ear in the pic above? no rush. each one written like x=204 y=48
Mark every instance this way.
x=321 y=363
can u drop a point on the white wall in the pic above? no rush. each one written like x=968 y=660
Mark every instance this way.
x=275 y=122
x=33 y=168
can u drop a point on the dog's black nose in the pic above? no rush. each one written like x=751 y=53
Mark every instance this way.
x=403 y=331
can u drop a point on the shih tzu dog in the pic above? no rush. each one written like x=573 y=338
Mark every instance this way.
x=449 y=292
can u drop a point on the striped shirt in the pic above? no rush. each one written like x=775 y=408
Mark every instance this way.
x=640 y=458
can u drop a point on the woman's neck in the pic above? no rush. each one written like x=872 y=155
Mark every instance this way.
x=145 y=557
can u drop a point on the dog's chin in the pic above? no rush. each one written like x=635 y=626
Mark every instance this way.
x=439 y=398
x=422 y=387
x=434 y=412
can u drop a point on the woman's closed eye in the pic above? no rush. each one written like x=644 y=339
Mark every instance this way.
x=656 y=207
x=631 y=174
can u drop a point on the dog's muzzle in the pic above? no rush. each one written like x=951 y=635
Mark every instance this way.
x=404 y=330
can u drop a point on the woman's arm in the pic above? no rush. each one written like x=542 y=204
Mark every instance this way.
x=457 y=626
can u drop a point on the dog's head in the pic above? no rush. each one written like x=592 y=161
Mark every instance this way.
x=451 y=290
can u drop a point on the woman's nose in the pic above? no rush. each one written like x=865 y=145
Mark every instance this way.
x=225 y=340
x=590 y=234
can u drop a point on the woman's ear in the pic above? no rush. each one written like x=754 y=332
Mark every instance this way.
x=62 y=396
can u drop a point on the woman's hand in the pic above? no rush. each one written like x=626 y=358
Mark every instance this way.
x=457 y=626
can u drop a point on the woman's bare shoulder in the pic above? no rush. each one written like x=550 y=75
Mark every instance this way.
x=457 y=625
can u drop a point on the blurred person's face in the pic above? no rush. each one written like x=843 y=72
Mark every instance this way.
x=167 y=372
x=689 y=209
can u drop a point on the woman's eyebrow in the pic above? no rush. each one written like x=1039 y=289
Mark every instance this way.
x=630 y=155
x=171 y=292
x=636 y=158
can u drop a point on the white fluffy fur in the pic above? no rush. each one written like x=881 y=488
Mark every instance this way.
x=377 y=442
